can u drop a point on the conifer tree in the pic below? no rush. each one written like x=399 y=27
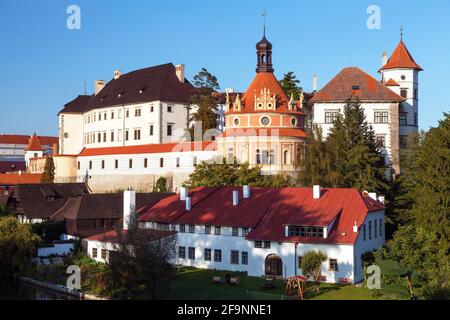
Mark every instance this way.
x=48 y=176
x=289 y=83
x=314 y=164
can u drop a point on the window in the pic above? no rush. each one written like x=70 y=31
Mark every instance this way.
x=104 y=116
x=112 y=115
x=207 y=229
x=334 y=265
x=194 y=161
x=236 y=122
x=309 y=232
x=266 y=244
x=207 y=255
x=169 y=108
x=258 y=156
x=235 y=232
x=104 y=136
x=375 y=229
x=169 y=129
x=178 y=162
x=137 y=134
x=90 y=165
x=330 y=117
x=182 y=252
x=127 y=113
x=364 y=232
x=370 y=229
x=404 y=93
x=234 y=257
x=104 y=254
x=112 y=136
x=265 y=121
x=258 y=244
x=151 y=129
x=161 y=162
x=78 y=165
x=116 y=164
x=137 y=112
x=416 y=94
x=191 y=253
x=403 y=119
x=126 y=135
x=244 y=257
x=182 y=228
x=299 y=261
x=381 y=117
x=119 y=135
x=217 y=230
x=218 y=255
x=119 y=114
x=191 y=228
x=380 y=141
x=403 y=141
x=381 y=227
x=244 y=231
x=66 y=135
x=99 y=137
x=130 y=163
x=103 y=164
x=416 y=119
x=152 y=108
x=94 y=252
x=230 y=154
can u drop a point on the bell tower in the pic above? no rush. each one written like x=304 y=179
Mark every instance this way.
x=264 y=53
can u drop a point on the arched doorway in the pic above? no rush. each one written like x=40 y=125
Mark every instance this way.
x=273 y=265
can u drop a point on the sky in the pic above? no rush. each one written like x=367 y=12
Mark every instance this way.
x=44 y=64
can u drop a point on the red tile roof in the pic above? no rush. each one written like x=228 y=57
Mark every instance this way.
x=151 y=148
x=10 y=166
x=401 y=58
x=352 y=82
x=391 y=83
x=265 y=132
x=113 y=237
x=23 y=139
x=15 y=178
x=268 y=210
x=34 y=144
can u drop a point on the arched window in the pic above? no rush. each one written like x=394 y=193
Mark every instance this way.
x=263 y=58
x=272 y=157
x=286 y=158
x=258 y=156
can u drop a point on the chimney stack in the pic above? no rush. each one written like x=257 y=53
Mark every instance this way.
x=179 y=69
x=316 y=191
x=117 y=74
x=235 y=197
x=385 y=59
x=183 y=193
x=188 y=203
x=99 y=85
x=355 y=228
x=246 y=192
x=129 y=207
x=314 y=83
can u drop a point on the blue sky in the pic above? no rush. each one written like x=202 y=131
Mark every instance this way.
x=45 y=65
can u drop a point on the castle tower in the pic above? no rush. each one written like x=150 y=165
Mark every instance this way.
x=33 y=150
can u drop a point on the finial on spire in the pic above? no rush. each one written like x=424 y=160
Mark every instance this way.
x=401 y=33
x=264 y=14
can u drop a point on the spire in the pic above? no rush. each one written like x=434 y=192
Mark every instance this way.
x=264 y=52
x=401 y=33
x=34 y=144
x=401 y=58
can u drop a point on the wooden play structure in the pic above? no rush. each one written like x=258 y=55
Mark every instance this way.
x=296 y=286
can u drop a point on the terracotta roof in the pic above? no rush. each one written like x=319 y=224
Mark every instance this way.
x=34 y=144
x=263 y=132
x=11 y=166
x=151 y=148
x=113 y=237
x=9 y=179
x=23 y=139
x=268 y=210
x=401 y=58
x=144 y=85
x=352 y=82
x=391 y=83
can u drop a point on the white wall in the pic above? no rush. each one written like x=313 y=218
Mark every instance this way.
x=70 y=125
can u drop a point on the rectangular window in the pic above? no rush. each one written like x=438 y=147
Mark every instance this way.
x=178 y=162
x=169 y=129
x=258 y=244
x=217 y=231
x=266 y=244
x=94 y=252
x=99 y=137
x=137 y=112
x=364 y=232
x=104 y=116
x=385 y=117
x=130 y=163
x=194 y=161
x=90 y=165
x=234 y=257
x=152 y=108
x=207 y=255
x=112 y=115
x=404 y=93
x=416 y=119
x=104 y=254
x=161 y=162
x=235 y=232
x=191 y=228
x=381 y=227
x=300 y=258
x=137 y=134
x=103 y=164
x=328 y=118
x=218 y=255
x=244 y=257
x=403 y=119
x=119 y=114
x=116 y=164
x=112 y=136
x=145 y=163
x=78 y=164
x=127 y=113
x=99 y=116
x=207 y=229
x=416 y=94
x=380 y=141
x=377 y=117
x=370 y=230
x=244 y=231
x=182 y=228
x=151 y=129
x=127 y=135
x=334 y=265
x=191 y=253
x=182 y=252
x=119 y=135
x=104 y=137
x=375 y=229
x=169 y=108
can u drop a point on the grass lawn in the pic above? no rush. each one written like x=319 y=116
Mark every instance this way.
x=197 y=284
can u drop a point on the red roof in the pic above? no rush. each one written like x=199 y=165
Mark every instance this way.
x=401 y=58
x=23 y=139
x=265 y=132
x=15 y=178
x=268 y=210
x=34 y=144
x=151 y=148
x=391 y=83
x=113 y=237
x=352 y=82
x=11 y=166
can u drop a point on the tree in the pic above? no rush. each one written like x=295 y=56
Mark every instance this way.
x=289 y=83
x=17 y=246
x=161 y=185
x=314 y=163
x=5 y=211
x=202 y=99
x=48 y=176
x=312 y=266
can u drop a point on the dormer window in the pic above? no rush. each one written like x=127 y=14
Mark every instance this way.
x=305 y=231
x=49 y=198
x=356 y=87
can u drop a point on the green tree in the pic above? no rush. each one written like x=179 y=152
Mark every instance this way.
x=312 y=266
x=17 y=246
x=48 y=176
x=289 y=83
x=202 y=99
x=314 y=164
x=5 y=210
x=161 y=185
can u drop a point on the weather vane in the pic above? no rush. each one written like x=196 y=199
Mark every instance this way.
x=264 y=14
x=401 y=33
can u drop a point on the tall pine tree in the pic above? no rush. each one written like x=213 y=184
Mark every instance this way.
x=48 y=176
x=289 y=83
x=314 y=163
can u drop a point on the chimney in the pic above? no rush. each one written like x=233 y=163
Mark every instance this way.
x=355 y=228
x=183 y=193
x=235 y=197
x=179 y=70
x=188 y=203
x=381 y=199
x=385 y=59
x=129 y=207
x=316 y=191
x=373 y=195
x=117 y=74
x=246 y=192
x=100 y=84
x=314 y=83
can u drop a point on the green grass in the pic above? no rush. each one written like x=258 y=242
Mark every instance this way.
x=197 y=284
